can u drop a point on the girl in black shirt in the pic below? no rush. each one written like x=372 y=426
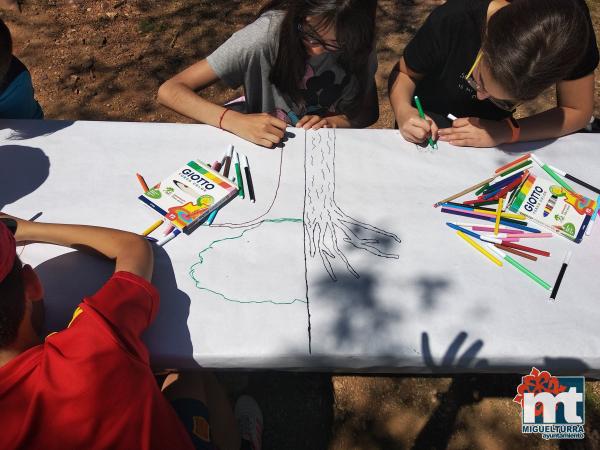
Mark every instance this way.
x=479 y=59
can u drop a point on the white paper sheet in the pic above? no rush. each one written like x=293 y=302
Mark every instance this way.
x=402 y=293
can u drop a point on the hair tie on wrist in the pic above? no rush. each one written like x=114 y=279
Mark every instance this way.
x=221 y=118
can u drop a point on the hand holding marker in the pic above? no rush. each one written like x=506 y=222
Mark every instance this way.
x=432 y=144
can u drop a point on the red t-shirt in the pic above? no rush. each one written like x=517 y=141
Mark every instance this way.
x=90 y=386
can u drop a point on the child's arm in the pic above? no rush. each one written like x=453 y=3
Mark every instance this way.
x=132 y=253
x=574 y=109
x=412 y=127
x=178 y=93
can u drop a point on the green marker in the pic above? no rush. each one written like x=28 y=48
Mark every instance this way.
x=482 y=188
x=516 y=168
x=519 y=266
x=422 y=116
x=552 y=173
x=238 y=176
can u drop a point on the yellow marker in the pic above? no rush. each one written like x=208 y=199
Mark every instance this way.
x=504 y=215
x=480 y=248
x=498 y=215
x=152 y=227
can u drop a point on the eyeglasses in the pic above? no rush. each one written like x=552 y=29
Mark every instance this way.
x=310 y=35
x=506 y=105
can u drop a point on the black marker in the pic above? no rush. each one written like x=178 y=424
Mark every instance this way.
x=575 y=180
x=561 y=274
x=249 y=183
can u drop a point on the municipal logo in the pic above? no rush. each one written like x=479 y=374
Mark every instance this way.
x=552 y=406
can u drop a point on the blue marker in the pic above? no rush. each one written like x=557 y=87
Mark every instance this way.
x=211 y=217
x=500 y=184
x=508 y=222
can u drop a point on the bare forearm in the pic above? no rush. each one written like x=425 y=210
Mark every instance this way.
x=553 y=123
x=131 y=252
x=177 y=94
x=185 y=101
x=401 y=96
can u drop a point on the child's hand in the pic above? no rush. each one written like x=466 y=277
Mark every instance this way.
x=262 y=129
x=417 y=130
x=310 y=122
x=476 y=132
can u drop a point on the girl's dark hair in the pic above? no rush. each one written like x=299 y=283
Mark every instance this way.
x=12 y=304
x=354 y=23
x=529 y=45
x=5 y=50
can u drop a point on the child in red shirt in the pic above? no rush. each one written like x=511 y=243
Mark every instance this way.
x=90 y=385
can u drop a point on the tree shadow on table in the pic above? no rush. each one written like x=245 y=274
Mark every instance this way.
x=360 y=318
x=69 y=278
x=22 y=170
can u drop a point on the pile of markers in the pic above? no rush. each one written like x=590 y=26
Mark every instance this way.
x=231 y=166
x=498 y=233
x=240 y=170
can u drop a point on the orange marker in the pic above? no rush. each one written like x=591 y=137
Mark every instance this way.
x=512 y=163
x=142 y=182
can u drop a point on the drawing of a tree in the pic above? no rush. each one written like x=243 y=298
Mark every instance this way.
x=326 y=225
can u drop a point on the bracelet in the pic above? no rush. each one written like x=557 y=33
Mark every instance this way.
x=515 y=129
x=221 y=118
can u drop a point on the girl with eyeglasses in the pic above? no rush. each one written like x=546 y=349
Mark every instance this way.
x=479 y=59
x=305 y=63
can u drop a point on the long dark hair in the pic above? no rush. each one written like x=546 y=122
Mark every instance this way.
x=529 y=45
x=354 y=23
x=5 y=50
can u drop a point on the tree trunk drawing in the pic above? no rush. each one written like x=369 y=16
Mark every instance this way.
x=326 y=225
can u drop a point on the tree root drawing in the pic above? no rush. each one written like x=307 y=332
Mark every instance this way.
x=325 y=223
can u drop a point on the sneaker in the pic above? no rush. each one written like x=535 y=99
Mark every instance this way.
x=250 y=421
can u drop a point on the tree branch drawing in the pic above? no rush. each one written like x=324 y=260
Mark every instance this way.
x=326 y=225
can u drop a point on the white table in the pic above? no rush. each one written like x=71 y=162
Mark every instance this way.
x=246 y=293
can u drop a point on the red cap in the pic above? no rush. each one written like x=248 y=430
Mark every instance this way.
x=8 y=249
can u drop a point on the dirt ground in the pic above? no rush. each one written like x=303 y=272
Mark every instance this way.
x=104 y=60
